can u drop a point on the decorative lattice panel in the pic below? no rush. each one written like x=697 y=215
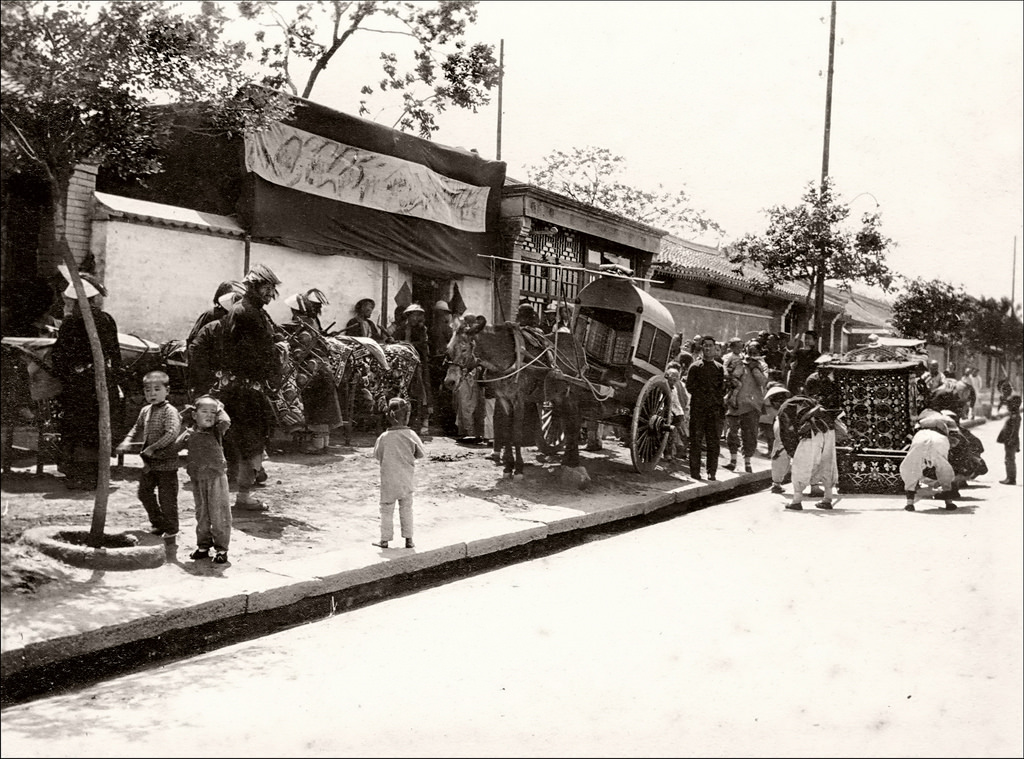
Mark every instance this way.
x=878 y=406
x=876 y=472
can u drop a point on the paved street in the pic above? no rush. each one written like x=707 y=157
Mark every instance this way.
x=741 y=629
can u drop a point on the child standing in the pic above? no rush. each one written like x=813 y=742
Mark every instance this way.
x=1009 y=436
x=157 y=429
x=678 y=446
x=208 y=469
x=397 y=449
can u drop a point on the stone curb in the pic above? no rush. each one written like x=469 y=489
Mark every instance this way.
x=286 y=590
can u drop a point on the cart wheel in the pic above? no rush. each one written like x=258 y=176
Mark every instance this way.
x=652 y=425
x=552 y=434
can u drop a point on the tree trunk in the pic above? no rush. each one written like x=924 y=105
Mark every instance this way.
x=99 y=511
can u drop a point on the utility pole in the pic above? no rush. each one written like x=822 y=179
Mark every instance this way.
x=501 y=82
x=819 y=278
x=1013 y=279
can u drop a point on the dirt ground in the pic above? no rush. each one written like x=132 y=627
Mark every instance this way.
x=323 y=500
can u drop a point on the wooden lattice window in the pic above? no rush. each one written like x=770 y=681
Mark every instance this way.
x=653 y=346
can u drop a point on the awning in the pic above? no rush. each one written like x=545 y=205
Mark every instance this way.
x=327 y=182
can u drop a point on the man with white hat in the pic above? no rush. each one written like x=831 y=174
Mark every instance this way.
x=440 y=335
x=929 y=449
x=73 y=366
x=413 y=330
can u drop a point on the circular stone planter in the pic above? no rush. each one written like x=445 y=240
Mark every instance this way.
x=71 y=545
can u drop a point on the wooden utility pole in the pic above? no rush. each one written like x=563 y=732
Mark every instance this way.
x=501 y=84
x=819 y=278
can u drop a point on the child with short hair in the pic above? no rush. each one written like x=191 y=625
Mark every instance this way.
x=157 y=430
x=679 y=401
x=1009 y=436
x=397 y=449
x=208 y=468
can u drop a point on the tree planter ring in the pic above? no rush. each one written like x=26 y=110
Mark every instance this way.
x=121 y=550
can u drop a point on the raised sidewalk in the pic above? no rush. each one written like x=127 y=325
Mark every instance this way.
x=109 y=622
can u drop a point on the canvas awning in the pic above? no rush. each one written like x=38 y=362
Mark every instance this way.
x=328 y=182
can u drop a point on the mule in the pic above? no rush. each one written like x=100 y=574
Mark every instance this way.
x=524 y=369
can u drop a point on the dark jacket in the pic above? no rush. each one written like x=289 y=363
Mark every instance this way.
x=249 y=350
x=705 y=382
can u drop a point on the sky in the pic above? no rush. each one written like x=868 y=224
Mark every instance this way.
x=727 y=101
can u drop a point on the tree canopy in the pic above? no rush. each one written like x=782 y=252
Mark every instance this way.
x=73 y=99
x=80 y=82
x=797 y=237
x=590 y=175
x=995 y=325
x=932 y=310
x=427 y=59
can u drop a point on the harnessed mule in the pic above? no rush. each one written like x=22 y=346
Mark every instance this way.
x=524 y=369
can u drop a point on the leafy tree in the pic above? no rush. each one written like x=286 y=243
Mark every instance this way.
x=80 y=80
x=932 y=310
x=797 y=237
x=440 y=67
x=995 y=324
x=590 y=175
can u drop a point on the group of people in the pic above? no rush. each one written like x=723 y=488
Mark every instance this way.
x=741 y=390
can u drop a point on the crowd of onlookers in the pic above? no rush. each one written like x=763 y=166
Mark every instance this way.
x=731 y=393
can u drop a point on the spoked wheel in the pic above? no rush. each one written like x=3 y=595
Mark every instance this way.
x=652 y=425
x=551 y=430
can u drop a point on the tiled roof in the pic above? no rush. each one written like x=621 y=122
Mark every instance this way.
x=702 y=263
x=865 y=310
x=170 y=216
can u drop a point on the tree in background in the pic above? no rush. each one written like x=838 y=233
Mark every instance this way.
x=590 y=175
x=933 y=310
x=80 y=80
x=440 y=67
x=995 y=326
x=798 y=236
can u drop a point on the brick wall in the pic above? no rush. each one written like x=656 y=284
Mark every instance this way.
x=77 y=220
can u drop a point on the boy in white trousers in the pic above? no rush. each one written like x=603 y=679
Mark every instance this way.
x=397 y=449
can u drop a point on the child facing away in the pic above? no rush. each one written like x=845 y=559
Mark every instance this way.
x=208 y=469
x=1009 y=436
x=397 y=449
x=156 y=429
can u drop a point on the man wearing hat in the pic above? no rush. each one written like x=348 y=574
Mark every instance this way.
x=321 y=409
x=412 y=329
x=440 y=335
x=774 y=397
x=73 y=365
x=251 y=374
x=929 y=450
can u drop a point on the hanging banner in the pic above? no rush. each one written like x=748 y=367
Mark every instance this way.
x=307 y=162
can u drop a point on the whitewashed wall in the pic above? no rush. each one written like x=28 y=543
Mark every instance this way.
x=161 y=278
